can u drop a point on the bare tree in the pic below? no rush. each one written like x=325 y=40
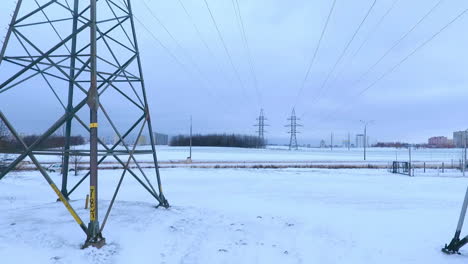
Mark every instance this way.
x=3 y=131
x=75 y=160
x=3 y=137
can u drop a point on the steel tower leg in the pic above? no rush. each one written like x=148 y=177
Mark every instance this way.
x=94 y=234
x=66 y=154
x=163 y=201
x=456 y=243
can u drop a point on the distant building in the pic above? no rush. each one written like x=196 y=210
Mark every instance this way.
x=345 y=143
x=391 y=145
x=161 y=139
x=141 y=141
x=360 y=140
x=438 y=141
x=322 y=144
x=459 y=139
x=117 y=139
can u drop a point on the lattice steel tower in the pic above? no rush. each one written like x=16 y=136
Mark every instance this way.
x=293 y=130
x=261 y=128
x=75 y=54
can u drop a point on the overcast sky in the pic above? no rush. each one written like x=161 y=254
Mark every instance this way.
x=425 y=96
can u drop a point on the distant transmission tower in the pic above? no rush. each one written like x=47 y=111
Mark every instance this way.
x=89 y=66
x=261 y=129
x=293 y=130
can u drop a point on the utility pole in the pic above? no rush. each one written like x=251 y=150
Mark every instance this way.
x=365 y=135
x=190 y=155
x=261 y=129
x=464 y=153
x=349 y=140
x=331 y=141
x=293 y=130
x=410 y=160
x=94 y=234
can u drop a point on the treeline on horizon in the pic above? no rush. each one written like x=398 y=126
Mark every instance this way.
x=219 y=140
x=54 y=141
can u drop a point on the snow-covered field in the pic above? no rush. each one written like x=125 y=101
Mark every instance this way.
x=241 y=216
x=275 y=154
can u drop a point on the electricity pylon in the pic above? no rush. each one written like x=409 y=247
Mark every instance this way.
x=293 y=130
x=89 y=57
x=261 y=129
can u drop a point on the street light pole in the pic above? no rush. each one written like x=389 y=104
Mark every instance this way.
x=464 y=154
x=190 y=156
x=365 y=140
x=410 y=160
x=365 y=135
x=349 y=140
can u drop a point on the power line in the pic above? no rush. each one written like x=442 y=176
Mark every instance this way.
x=225 y=47
x=194 y=64
x=397 y=42
x=236 y=6
x=317 y=47
x=414 y=51
x=392 y=69
x=202 y=39
x=374 y=29
x=182 y=65
x=165 y=28
x=348 y=44
x=366 y=39
x=197 y=30
x=174 y=57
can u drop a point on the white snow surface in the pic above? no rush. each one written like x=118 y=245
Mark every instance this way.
x=281 y=153
x=240 y=216
x=276 y=156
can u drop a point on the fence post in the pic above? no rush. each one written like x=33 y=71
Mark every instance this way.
x=443 y=167
x=424 y=167
x=87 y=201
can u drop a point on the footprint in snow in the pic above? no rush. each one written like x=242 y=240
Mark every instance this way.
x=56 y=259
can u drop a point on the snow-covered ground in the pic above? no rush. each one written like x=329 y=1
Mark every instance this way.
x=241 y=216
x=168 y=154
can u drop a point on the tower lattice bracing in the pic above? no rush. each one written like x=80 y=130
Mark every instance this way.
x=261 y=128
x=293 y=130
x=73 y=67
